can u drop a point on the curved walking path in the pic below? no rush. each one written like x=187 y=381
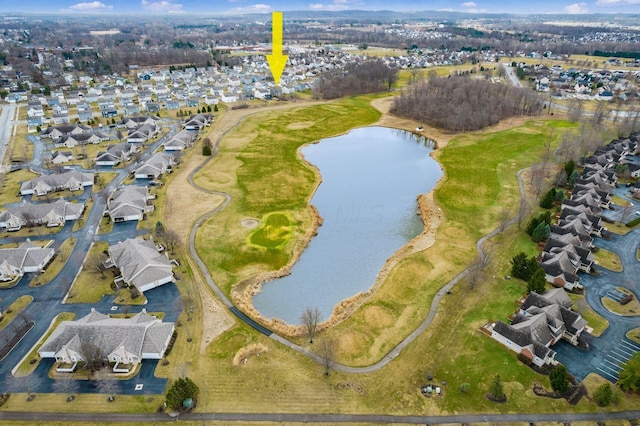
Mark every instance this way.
x=393 y=353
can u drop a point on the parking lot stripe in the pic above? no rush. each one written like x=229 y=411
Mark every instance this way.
x=634 y=347
x=615 y=367
x=619 y=358
x=607 y=374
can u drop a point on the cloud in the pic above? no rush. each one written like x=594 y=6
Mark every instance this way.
x=90 y=7
x=469 y=4
x=336 y=5
x=577 y=8
x=616 y=2
x=254 y=8
x=161 y=6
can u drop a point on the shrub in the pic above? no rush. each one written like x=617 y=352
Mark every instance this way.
x=464 y=388
x=206 y=150
x=633 y=222
x=559 y=378
x=180 y=390
x=603 y=395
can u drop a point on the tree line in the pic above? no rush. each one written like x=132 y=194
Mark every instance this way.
x=355 y=79
x=460 y=103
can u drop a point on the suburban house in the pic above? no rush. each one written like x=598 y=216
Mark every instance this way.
x=140 y=264
x=198 y=121
x=143 y=133
x=181 y=141
x=129 y=203
x=540 y=322
x=561 y=269
x=125 y=342
x=80 y=139
x=49 y=214
x=70 y=181
x=161 y=163
x=61 y=157
x=15 y=262
x=135 y=122
x=57 y=132
x=115 y=154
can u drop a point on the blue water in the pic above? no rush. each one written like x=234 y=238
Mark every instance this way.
x=367 y=199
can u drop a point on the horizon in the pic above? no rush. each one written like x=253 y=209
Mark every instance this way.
x=244 y=7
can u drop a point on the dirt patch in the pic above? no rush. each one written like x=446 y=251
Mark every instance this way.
x=180 y=193
x=377 y=317
x=249 y=223
x=352 y=343
x=215 y=319
x=300 y=125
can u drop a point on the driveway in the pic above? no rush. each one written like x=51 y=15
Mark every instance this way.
x=607 y=352
x=47 y=299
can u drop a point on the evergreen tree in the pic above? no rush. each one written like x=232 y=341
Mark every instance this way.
x=215 y=108
x=559 y=196
x=547 y=200
x=541 y=233
x=497 y=389
x=603 y=395
x=180 y=390
x=569 y=167
x=519 y=266
x=559 y=378
x=572 y=178
x=538 y=281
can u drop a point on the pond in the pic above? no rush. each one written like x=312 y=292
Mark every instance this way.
x=370 y=180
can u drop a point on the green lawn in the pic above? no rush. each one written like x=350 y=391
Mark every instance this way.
x=13 y=310
x=608 y=259
x=10 y=190
x=258 y=164
x=595 y=321
x=90 y=286
x=274 y=232
x=56 y=265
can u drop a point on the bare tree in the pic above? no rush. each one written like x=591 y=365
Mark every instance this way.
x=575 y=110
x=503 y=217
x=94 y=357
x=328 y=351
x=625 y=213
x=170 y=239
x=475 y=276
x=522 y=211
x=310 y=318
x=537 y=179
x=67 y=387
x=95 y=263
x=106 y=384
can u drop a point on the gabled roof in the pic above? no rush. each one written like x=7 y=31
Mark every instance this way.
x=140 y=262
x=131 y=199
x=27 y=255
x=141 y=334
x=72 y=178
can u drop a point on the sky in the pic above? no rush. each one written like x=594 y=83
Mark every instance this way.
x=266 y=6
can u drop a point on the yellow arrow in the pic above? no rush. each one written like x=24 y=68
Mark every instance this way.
x=276 y=60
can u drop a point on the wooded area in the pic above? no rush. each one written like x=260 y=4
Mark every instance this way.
x=356 y=79
x=461 y=103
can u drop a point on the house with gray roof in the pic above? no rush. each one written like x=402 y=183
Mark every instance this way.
x=124 y=342
x=540 y=322
x=156 y=166
x=143 y=133
x=28 y=257
x=115 y=154
x=180 y=141
x=140 y=264
x=56 y=132
x=45 y=184
x=129 y=203
x=48 y=214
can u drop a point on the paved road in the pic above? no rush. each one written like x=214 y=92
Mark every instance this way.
x=606 y=352
x=508 y=70
x=289 y=418
x=48 y=299
x=6 y=127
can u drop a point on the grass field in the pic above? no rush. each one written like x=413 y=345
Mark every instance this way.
x=259 y=166
x=480 y=180
x=13 y=310
x=274 y=232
